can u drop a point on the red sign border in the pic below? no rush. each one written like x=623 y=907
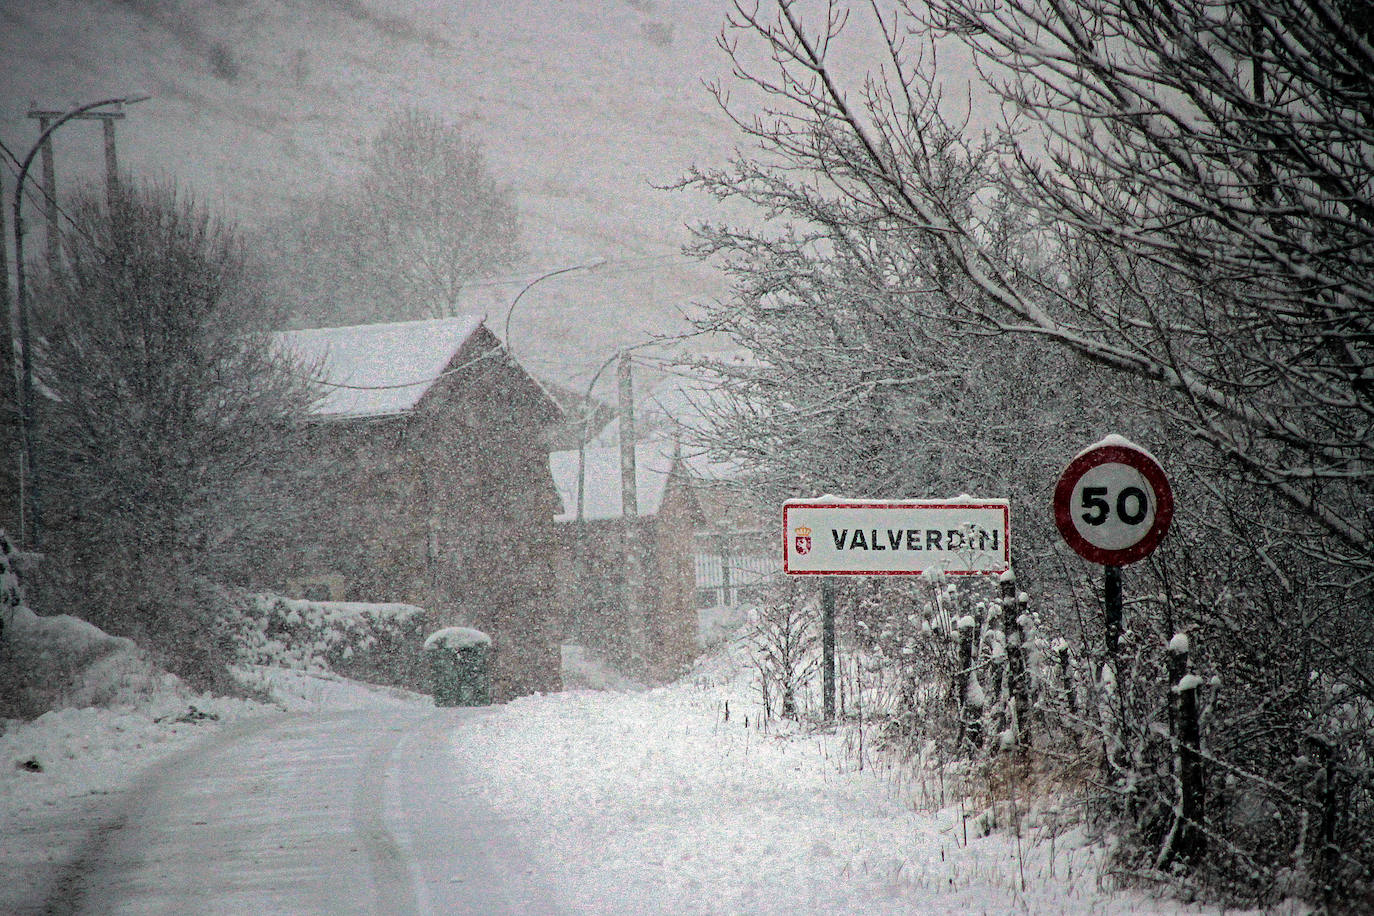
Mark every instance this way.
x=1006 y=540
x=1149 y=468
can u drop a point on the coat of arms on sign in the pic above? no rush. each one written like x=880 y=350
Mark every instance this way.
x=802 y=534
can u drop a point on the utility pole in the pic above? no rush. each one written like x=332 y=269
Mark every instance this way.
x=45 y=118
x=636 y=619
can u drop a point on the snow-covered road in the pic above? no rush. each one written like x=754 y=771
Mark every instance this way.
x=307 y=813
x=664 y=801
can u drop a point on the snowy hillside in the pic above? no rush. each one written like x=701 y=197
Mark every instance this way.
x=582 y=106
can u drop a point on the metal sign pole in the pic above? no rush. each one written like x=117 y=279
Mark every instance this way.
x=828 y=647
x=1111 y=595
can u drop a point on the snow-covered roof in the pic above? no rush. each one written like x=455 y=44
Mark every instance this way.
x=375 y=370
x=601 y=482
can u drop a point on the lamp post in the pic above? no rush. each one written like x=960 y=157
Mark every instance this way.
x=28 y=487
x=505 y=334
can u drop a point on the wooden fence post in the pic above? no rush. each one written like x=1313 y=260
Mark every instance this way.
x=1061 y=650
x=1188 y=839
x=1016 y=659
x=971 y=701
x=1328 y=851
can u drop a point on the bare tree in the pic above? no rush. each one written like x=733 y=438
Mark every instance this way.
x=423 y=218
x=166 y=420
x=1170 y=232
x=1202 y=171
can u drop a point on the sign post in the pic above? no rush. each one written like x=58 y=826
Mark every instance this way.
x=828 y=648
x=832 y=536
x=1113 y=506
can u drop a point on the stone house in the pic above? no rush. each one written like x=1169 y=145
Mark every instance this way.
x=425 y=480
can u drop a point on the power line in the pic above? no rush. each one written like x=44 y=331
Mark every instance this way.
x=47 y=198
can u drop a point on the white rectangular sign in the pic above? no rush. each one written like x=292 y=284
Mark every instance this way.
x=852 y=537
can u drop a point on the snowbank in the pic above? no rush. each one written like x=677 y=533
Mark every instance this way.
x=61 y=661
x=672 y=801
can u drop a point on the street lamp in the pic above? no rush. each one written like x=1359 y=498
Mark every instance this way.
x=505 y=334
x=28 y=495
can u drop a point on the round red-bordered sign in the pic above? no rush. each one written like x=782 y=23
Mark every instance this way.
x=1113 y=504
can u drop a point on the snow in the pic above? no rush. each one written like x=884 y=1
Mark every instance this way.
x=62 y=632
x=1179 y=645
x=622 y=802
x=316 y=635
x=1114 y=440
x=585 y=669
x=58 y=771
x=961 y=500
x=1188 y=682
x=63 y=774
x=396 y=363
x=974 y=695
x=457 y=638
x=73 y=663
x=657 y=802
x=340 y=612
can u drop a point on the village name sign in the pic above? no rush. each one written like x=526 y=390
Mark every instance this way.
x=831 y=536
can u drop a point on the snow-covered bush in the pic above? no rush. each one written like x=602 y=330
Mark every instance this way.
x=61 y=661
x=11 y=592
x=168 y=472
x=380 y=643
x=64 y=662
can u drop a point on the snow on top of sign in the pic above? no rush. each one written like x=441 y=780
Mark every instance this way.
x=1114 y=440
x=388 y=367
x=601 y=496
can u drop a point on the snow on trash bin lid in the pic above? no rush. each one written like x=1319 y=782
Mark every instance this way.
x=457 y=638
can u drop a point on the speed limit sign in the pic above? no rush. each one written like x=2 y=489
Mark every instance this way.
x=1113 y=504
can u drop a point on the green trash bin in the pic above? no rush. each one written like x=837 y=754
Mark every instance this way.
x=459 y=666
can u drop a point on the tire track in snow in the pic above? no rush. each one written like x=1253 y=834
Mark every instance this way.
x=391 y=870
x=277 y=814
